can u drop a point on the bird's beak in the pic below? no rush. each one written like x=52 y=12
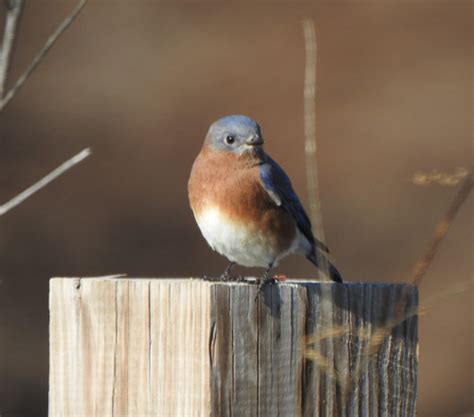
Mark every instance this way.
x=254 y=140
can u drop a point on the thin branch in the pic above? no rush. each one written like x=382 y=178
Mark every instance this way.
x=44 y=181
x=42 y=53
x=14 y=8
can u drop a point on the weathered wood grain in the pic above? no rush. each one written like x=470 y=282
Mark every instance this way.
x=157 y=347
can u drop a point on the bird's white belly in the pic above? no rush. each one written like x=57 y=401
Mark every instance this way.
x=240 y=243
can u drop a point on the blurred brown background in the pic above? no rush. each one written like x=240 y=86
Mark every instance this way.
x=140 y=82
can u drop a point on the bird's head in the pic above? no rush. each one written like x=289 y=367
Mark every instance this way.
x=236 y=134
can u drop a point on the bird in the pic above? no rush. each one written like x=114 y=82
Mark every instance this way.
x=245 y=205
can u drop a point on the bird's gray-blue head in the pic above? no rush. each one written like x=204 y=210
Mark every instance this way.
x=237 y=134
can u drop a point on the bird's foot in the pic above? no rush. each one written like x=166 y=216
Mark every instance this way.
x=262 y=283
x=211 y=279
x=225 y=276
x=267 y=278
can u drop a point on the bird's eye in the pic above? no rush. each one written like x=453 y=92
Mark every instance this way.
x=229 y=139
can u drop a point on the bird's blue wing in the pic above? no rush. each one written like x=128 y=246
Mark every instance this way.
x=279 y=188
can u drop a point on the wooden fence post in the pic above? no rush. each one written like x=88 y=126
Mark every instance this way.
x=188 y=347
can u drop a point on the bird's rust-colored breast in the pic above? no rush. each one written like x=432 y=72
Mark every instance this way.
x=231 y=183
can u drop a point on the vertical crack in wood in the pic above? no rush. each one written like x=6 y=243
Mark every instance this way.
x=305 y=364
x=257 y=300
x=149 y=341
x=77 y=314
x=350 y=353
x=413 y=338
x=232 y=353
x=212 y=342
x=215 y=401
x=292 y=347
x=273 y=382
x=114 y=381
x=382 y=366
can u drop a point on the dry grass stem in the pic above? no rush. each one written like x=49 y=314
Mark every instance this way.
x=400 y=313
x=44 y=181
x=332 y=332
x=318 y=358
x=441 y=178
x=441 y=229
x=310 y=148
x=310 y=127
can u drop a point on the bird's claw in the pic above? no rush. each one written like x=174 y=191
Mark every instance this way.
x=224 y=277
x=210 y=279
x=262 y=283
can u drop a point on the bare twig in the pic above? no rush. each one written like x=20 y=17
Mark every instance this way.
x=42 y=53
x=44 y=181
x=14 y=8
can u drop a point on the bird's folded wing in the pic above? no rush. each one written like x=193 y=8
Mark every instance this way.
x=279 y=188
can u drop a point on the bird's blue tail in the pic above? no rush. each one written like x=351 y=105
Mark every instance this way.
x=324 y=265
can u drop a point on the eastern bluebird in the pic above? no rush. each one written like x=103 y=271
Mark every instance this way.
x=244 y=203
